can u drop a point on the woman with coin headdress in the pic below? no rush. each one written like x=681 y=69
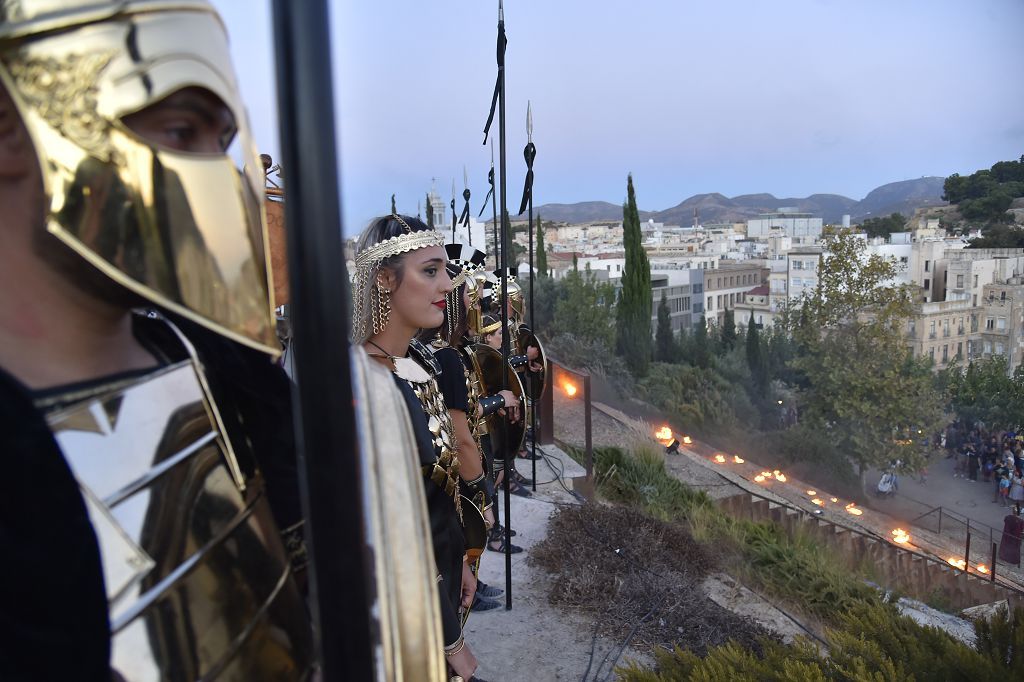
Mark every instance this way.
x=400 y=287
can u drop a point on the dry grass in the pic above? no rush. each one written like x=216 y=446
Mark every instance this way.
x=632 y=571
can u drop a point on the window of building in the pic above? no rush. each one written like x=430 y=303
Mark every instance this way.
x=1002 y=295
x=975 y=281
x=927 y=266
x=988 y=347
x=732 y=299
x=931 y=329
x=927 y=284
x=945 y=354
x=797 y=282
x=709 y=303
x=1001 y=323
x=960 y=349
x=999 y=348
x=798 y=265
x=931 y=354
x=698 y=288
x=989 y=323
x=959 y=281
x=718 y=302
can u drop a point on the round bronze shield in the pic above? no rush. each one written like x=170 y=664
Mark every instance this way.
x=506 y=437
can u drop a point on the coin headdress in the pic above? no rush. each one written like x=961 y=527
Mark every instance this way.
x=368 y=263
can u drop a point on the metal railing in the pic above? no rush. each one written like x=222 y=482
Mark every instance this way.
x=957 y=527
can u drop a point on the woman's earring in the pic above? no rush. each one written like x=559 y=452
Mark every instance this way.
x=382 y=310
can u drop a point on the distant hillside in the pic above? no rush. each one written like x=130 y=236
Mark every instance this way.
x=895 y=197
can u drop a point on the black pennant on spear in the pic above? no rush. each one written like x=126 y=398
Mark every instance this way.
x=464 y=218
x=498 y=102
x=530 y=153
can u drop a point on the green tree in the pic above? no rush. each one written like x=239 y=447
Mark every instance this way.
x=728 y=334
x=865 y=389
x=584 y=308
x=665 y=343
x=756 y=357
x=430 y=212
x=883 y=227
x=701 y=345
x=394 y=211
x=985 y=391
x=634 y=310
x=542 y=252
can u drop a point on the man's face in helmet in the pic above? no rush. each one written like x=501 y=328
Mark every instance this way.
x=191 y=120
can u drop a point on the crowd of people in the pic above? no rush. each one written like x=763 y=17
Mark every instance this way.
x=996 y=458
x=151 y=518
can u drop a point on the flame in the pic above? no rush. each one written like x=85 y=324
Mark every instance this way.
x=664 y=433
x=759 y=478
x=738 y=459
x=852 y=508
x=780 y=477
x=818 y=502
x=767 y=474
x=956 y=563
x=687 y=440
x=720 y=459
x=569 y=388
x=900 y=536
x=812 y=493
x=982 y=568
x=834 y=499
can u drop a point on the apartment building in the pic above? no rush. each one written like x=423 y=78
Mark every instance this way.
x=1001 y=321
x=726 y=286
x=943 y=331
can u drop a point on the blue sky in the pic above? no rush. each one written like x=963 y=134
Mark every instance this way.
x=791 y=97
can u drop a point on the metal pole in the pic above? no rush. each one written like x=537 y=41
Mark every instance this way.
x=586 y=425
x=967 y=552
x=326 y=442
x=533 y=328
x=992 y=577
x=509 y=456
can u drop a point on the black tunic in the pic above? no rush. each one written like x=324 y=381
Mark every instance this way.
x=446 y=531
x=53 y=606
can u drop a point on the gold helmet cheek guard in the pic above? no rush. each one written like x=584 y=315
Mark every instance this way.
x=474 y=316
x=185 y=231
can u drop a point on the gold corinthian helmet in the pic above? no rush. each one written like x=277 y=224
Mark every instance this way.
x=183 y=230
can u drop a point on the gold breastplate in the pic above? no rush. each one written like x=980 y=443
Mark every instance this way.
x=198 y=583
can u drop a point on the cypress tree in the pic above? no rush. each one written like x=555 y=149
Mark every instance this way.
x=542 y=253
x=701 y=350
x=757 y=357
x=634 y=311
x=394 y=211
x=728 y=330
x=665 y=346
x=430 y=213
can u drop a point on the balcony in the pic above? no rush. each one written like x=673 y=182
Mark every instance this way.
x=932 y=335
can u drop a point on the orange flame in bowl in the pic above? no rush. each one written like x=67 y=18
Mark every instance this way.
x=664 y=433
x=956 y=563
x=759 y=478
x=720 y=458
x=982 y=568
x=900 y=536
x=818 y=502
x=687 y=440
x=852 y=508
x=737 y=459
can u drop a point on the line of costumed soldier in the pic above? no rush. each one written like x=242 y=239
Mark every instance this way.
x=419 y=311
x=151 y=519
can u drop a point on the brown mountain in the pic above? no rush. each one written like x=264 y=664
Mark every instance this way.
x=896 y=197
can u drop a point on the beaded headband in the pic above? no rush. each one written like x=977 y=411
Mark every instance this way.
x=367 y=263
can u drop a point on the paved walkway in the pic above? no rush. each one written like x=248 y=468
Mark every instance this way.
x=960 y=498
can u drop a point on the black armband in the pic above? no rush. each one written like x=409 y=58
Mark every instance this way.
x=480 y=489
x=490 y=404
x=517 y=361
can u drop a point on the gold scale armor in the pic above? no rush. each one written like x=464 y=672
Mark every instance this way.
x=444 y=472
